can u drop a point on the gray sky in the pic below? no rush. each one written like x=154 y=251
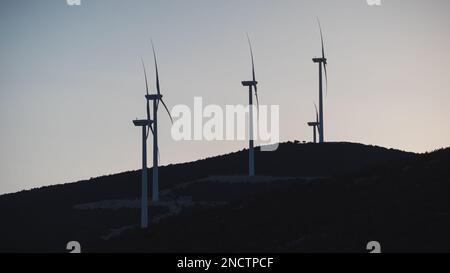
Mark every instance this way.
x=71 y=81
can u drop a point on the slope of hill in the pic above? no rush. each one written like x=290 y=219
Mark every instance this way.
x=331 y=197
x=403 y=205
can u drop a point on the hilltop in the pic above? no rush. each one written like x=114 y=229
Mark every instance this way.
x=306 y=198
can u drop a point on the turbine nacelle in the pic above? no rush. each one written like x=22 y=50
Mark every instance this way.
x=320 y=60
x=312 y=124
x=142 y=122
x=249 y=83
x=154 y=97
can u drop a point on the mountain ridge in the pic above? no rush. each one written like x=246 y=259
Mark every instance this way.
x=216 y=157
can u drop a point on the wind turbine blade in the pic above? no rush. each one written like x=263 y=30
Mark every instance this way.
x=321 y=38
x=145 y=75
x=254 y=76
x=257 y=99
x=150 y=128
x=148 y=117
x=156 y=70
x=251 y=54
x=146 y=90
x=167 y=109
x=317 y=113
x=326 y=78
x=257 y=103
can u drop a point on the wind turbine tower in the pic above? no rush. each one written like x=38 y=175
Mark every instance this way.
x=251 y=85
x=322 y=63
x=144 y=124
x=156 y=99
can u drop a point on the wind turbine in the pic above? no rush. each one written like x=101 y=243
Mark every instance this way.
x=146 y=125
x=315 y=125
x=156 y=99
x=322 y=63
x=251 y=85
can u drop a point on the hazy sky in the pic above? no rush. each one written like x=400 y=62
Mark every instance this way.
x=71 y=80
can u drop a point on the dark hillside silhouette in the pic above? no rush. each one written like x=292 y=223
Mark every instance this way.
x=355 y=194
